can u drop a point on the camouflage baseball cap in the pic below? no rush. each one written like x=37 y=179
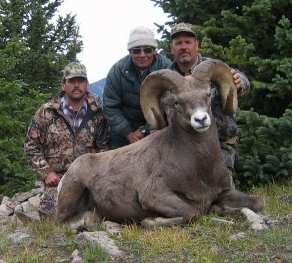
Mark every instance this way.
x=73 y=70
x=182 y=28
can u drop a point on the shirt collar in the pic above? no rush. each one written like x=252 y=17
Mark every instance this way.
x=65 y=105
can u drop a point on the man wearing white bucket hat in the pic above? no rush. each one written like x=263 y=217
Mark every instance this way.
x=121 y=98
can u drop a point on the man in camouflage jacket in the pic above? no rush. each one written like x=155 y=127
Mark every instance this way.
x=63 y=129
x=184 y=48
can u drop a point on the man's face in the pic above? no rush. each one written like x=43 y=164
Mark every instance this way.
x=142 y=57
x=75 y=88
x=184 y=49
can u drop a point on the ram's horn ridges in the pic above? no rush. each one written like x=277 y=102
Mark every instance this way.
x=218 y=72
x=152 y=88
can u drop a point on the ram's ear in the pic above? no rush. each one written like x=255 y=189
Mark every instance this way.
x=219 y=72
x=168 y=99
x=152 y=89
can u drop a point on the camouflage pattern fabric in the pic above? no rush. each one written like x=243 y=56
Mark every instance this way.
x=52 y=145
x=48 y=202
x=180 y=28
x=74 y=70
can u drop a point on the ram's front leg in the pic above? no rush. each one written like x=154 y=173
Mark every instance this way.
x=231 y=200
x=69 y=195
x=170 y=206
x=161 y=221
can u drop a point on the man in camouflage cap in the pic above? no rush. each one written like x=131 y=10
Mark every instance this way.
x=182 y=27
x=62 y=129
x=184 y=47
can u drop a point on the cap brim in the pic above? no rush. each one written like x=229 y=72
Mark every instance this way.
x=75 y=76
x=187 y=33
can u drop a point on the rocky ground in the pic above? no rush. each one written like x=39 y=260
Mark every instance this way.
x=26 y=237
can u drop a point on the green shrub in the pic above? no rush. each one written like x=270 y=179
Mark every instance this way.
x=265 y=149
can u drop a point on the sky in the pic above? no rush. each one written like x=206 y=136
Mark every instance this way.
x=105 y=27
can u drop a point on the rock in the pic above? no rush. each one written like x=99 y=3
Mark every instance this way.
x=26 y=212
x=25 y=205
x=5 y=200
x=21 y=197
x=35 y=201
x=216 y=221
x=102 y=239
x=60 y=260
x=18 y=208
x=76 y=257
x=26 y=217
x=112 y=227
x=161 y=221
x=257 y=221
x=19 y=237
x=5 y=210
x=6 y=207
x=238 y=236
x=12 y=204
x=9 y=203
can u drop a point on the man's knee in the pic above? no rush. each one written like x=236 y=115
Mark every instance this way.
x=48 y=202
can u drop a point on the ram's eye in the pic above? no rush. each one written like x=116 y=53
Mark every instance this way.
x=176 y=104
x=209 y=94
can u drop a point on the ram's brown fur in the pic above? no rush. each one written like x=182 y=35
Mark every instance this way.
x=174 y=172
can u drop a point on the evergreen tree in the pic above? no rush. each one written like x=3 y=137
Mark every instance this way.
x=253 y=35
x=265 y=148
x=49 y=42
x=256 y=37
x=35 y=45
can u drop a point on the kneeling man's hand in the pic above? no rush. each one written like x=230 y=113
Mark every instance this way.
x=135 y=136
x=52 y=179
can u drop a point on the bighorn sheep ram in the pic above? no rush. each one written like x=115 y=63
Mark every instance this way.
x=175 y=172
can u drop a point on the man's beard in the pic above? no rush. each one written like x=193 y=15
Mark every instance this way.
x=185 y=58
x=79 y=97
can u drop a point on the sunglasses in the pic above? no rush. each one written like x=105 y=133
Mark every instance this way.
x=138 y=50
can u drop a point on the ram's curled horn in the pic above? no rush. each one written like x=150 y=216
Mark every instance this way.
x=219 y=72
x=152 y=88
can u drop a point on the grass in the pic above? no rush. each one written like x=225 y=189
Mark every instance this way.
x=43 y=247
x=201 y=241
x=93 y=253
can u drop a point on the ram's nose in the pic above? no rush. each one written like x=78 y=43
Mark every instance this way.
x=200 y=121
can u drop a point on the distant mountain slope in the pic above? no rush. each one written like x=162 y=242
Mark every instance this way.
x=96 y=88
